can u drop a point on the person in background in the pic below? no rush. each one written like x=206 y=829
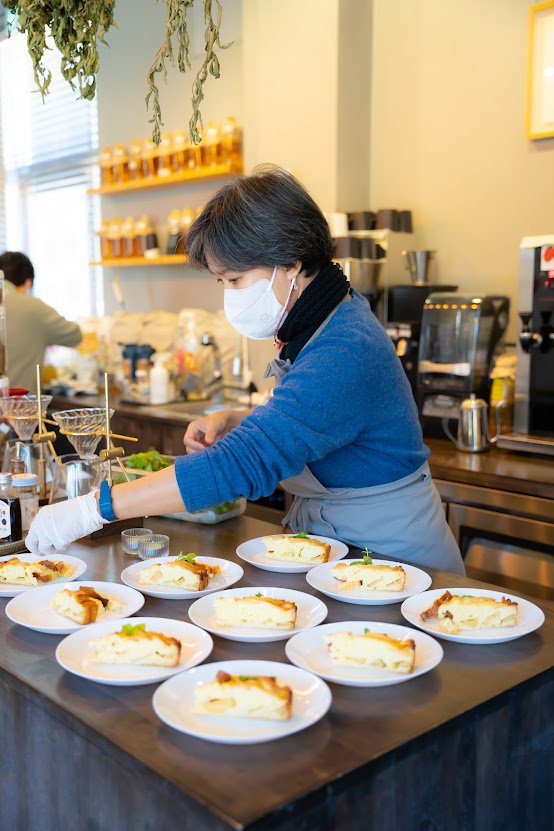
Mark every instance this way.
x=32 y=325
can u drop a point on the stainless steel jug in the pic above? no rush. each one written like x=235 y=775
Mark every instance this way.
x=473 y=425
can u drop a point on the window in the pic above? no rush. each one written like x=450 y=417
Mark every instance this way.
x=49 y=153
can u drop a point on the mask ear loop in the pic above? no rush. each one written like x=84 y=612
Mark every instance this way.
x=276 y=341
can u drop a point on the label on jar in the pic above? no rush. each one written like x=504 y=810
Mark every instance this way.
x=5 y=520
x=29 y=510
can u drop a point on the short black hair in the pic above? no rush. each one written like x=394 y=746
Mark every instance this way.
x=266 y=219
x=17 y=267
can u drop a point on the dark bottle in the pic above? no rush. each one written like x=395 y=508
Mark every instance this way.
x=10 y=511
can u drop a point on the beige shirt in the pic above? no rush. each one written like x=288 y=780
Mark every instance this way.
x=32 y=326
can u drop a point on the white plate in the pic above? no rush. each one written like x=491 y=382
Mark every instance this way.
x=530 y=617
x=74 y=652
x=320 y=578
x=253 y=552
x=173 y=703
x=11 y=589
x=309 y=651
x=34 y=611
x=230 y=574
x=310 y=612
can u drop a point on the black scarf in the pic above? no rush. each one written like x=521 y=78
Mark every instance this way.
x=316 y=303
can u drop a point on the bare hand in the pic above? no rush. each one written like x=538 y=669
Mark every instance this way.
x=204 y=432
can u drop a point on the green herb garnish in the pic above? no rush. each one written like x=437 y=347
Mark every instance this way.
x=367 y=561
x=249 y=677
x=301 y=536
x=259 y=594
x=366 y=630
x=128 y=629
x=188 y=558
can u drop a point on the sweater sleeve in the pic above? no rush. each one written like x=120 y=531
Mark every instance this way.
x=57 y=330
x=315 y=410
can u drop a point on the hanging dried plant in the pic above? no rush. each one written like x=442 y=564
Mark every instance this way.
x=75 y=27
x=176 y=27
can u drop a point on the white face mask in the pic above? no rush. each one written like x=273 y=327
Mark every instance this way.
x=255 y=311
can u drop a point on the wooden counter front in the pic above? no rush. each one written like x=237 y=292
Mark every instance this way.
x=467 y=746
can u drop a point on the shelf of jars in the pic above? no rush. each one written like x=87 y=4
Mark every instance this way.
x=128 y=262
x=200 y=174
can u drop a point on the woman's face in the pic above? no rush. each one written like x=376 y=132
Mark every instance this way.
x=244 y=279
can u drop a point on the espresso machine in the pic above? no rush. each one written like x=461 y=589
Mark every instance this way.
x=459 y=335
x=534 y=388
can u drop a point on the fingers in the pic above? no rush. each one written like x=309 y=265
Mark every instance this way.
x=218 y=426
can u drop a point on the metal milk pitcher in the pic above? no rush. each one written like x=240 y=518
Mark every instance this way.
x=473 y=425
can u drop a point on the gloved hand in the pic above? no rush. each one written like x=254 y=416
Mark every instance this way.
x=56 y=526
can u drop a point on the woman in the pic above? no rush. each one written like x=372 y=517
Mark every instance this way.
x=341 y=430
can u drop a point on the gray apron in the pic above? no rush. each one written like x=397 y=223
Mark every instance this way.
x=403 y=519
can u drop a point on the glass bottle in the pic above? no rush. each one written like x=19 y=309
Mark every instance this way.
x=198 y=150
x=212 y=145
x=179 y=158
x=149 y=158
x=106 y=170
x=10 y=511
x=26 y=486
x=128 y=238
x=135 y=159
x=175 y=243
x=165 y=152
x=187 y=218
x=231 y=143
x=120 y=161
x=147 y=240
x=104 y=234
x=114 y=238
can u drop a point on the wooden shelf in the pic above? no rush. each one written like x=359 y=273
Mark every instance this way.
x=128 y=262
x=219 y=171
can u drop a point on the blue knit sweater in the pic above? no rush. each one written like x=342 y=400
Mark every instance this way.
x=345 y=409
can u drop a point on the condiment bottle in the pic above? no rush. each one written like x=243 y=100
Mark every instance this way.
x=135 y=159
x=231 y=143
x=165 y=152
x=106 y=170
x=120 y=161
x=103 y=233
x=212 y=145
x=198 y=150
x=187 y=218
x=178 y=157
x=147 y=241
x=149 y=158
x=175 y=242
x=26 y=486
x=159 y=380
x=10 y=511
x=114 y=238
x=128 y=238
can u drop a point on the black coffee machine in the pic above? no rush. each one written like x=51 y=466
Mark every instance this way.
x=404 y=310
x=534 y=393
x=459 y=335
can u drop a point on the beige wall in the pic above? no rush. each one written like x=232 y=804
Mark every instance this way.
x=447 y=135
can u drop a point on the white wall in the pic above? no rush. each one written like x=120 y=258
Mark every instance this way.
x=447 y=135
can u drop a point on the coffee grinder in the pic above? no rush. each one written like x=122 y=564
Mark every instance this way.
x=534 y=389
x=459 y=335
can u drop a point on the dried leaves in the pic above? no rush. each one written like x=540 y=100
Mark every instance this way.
x=75 y=27
x=176 y=27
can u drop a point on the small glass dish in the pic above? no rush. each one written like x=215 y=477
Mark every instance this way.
x=154 y=545
x=130 y=539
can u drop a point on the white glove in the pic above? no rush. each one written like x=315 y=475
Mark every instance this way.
x=56 y=526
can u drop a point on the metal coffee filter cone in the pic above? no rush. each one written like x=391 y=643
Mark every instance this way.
x=84 y=428
x=20 y=411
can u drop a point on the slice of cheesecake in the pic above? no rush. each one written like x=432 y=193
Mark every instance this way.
x=369 y=577
x=459 y=613
x=255 y=611
x=245 y=696
x=371 y=650
x=83 y=605
x=23 y=573
x=182 y=574
x=134 y=645
x=297 y=549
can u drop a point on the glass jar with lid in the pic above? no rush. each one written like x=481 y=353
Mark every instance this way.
x=149 y=158
x=129 y=246
x=212 y=145
x=120 y=162
x=135 y=159
x=165 y=152
x=106 y=170
x=26 y=486
x=231 y=143
x=179 y=155
x=114 y=238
